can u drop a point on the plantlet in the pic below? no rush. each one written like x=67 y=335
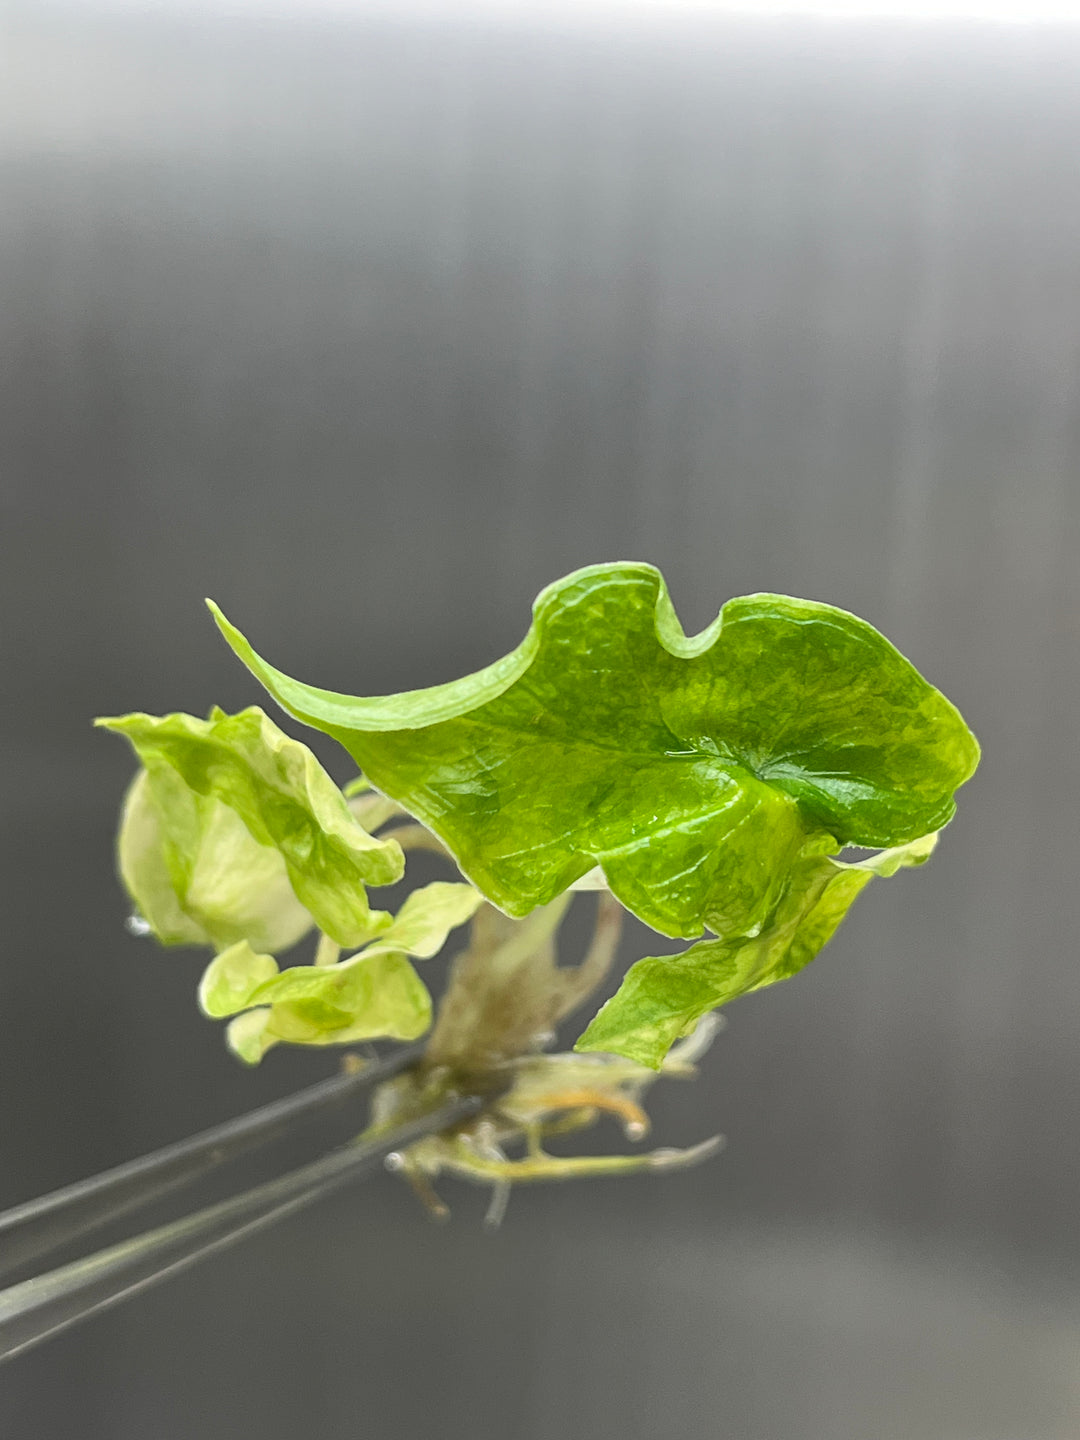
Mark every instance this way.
x=707 y=784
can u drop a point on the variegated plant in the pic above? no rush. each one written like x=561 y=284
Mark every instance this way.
x=707 y=784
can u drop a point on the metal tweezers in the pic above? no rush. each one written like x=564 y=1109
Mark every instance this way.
x=34 y=1309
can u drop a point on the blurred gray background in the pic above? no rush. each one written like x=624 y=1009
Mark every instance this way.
x=369 y=329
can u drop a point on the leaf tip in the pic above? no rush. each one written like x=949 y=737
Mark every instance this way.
x=236 y=639
x=115 y=724
x=224 y=624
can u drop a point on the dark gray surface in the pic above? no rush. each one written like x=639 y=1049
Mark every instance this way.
x=369 y=331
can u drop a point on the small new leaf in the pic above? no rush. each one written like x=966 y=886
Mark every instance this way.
x=699 y=773
x=376 y=994
x=231 y=977
x=283 y=797
x=248 y=1038
x=196 y=874
x=367 y=999
x=663 y=997
x=426 y=918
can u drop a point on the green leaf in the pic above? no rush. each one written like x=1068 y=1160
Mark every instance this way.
x=376 y=993
x=368 y=998
x=248 y=1036
x=698 y=772
x=196 y=874
x=345 y=988
x=662 y=997
x=426 y=918
x=231 y=977
x=284 y=798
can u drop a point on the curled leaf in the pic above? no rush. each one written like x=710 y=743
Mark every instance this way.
x=662 y=997
x=426 y=918
x=231 y=977
x=375 y=994
x=248 y=1038
x=283 y=797
x=698 y=772
x=370 y=998
x=196 y=874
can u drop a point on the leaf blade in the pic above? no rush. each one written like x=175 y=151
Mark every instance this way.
x=696 y=771
x=662 y=997
x=427 y=915
x=196 y=875
x=232 y=978
x=285 y=800
x=367 y=998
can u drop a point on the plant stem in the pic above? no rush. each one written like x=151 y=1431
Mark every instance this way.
x=327 y=951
